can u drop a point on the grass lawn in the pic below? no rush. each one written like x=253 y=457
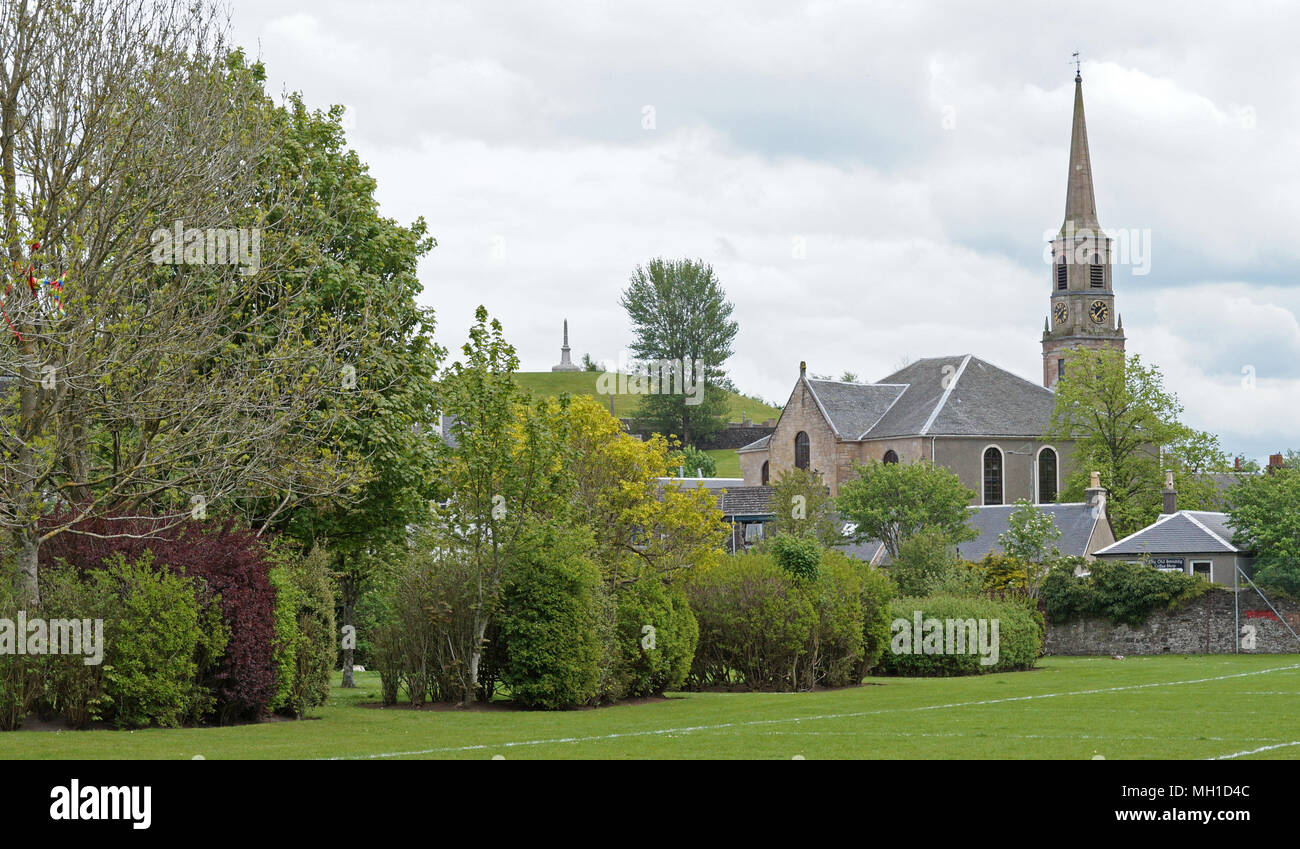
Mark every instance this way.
x=554 y=383
x=728 y=462
x=1073 y=708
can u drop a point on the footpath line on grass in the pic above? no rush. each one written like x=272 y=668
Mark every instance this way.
x=690 y=729
x=1255 y=751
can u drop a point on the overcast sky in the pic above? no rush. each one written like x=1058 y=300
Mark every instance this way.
x=871 y=181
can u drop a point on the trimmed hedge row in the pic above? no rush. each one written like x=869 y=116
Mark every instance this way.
x=943 y=636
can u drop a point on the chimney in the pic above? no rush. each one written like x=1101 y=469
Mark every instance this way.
x=1095 y=495
x=1236 y=463
x=1171 y=496
x=1274 y=462
x=803 y=367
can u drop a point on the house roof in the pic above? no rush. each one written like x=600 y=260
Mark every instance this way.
x=1076 y=522
x=958 y=395
x=730 y=494
x=1184 y=532
x=757 y=444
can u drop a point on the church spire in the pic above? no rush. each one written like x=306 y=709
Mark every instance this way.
x=1080 y=204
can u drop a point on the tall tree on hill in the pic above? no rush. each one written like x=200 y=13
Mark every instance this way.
x=1125 y=425
x=681 y=315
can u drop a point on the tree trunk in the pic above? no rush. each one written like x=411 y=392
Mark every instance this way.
x=29 y=591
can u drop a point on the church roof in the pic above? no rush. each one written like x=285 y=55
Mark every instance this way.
x=961 y=396
x=852 y=408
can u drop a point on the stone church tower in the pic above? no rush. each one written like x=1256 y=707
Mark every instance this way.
x=1082 y=303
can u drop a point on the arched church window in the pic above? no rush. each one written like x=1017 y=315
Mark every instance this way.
x=1096 y=273
x=765 y=473
x=1060 y=273
x=992 y=475
x=890 y=457
x=1047 y=476
x=802 y=452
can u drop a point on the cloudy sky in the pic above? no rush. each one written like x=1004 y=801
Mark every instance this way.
x=871 y=181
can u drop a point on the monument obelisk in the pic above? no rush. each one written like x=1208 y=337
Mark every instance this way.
x=565 y=363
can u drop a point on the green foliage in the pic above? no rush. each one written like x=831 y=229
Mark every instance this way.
x=1124 y=593
x=1029 y=538
x=159 y=643
x=1265 y=513
x=1119 y=415
x=891 y=502
x=69 y=687
x=1003 y=573
x=549 y=625
x=679 y=312
x=755 y=622
x=652 y=669
x=802 y=506
x=305 y=637
x=692 y=462
x=927 y=564
x=764 y=628
x=1019 y=637
x=20 y=684
x=800 y=556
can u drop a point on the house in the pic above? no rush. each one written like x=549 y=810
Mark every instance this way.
x=1195 y=542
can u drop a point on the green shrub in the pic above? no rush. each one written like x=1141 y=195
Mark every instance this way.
x=798 y=555
x=927 y=564
x=836 y=646
x=1019 y=637
x=70 y=687
x=765 y=628
x=755 y=623
x=20 y=684
x=305 y=646
x=875 y=590
x=549 y=622
x=1124 y=593
x=653 y=666
x=160 y=642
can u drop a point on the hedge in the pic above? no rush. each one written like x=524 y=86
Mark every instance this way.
x=1124 y=593
x=933 y=652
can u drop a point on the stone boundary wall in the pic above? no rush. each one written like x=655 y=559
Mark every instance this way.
x=1204 y=626
x=732 y=436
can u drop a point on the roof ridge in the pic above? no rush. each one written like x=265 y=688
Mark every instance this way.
x=820 y=406
x=1201 y=525
x=947 y=392
x=906 y=386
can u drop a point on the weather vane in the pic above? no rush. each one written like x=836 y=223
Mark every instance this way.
x=1077 y=72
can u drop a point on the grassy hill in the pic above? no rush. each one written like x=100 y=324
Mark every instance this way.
x=553 y=383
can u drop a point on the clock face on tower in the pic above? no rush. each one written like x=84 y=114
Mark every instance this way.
x=1099 y=312
x=1060 y=312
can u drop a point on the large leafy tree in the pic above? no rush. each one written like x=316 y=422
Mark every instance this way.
x=892 y=502
x=680 y=314
x=1264 y=510
x=1125 y=424
x=160 y=387
x=1030 y=539
x=363 y=272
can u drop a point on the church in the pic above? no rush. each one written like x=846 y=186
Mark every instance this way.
x=961 y=412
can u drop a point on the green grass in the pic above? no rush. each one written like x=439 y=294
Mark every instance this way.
x=727 y=460
x=554 y=383
x=1072 y=708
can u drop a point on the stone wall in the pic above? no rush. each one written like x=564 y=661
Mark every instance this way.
x=1204 y=626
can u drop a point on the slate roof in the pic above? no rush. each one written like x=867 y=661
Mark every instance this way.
x=1075 y=521
x=852 y=408
x=939 y=396
x=731 y=495
x=757 y=444
x=1184 y=532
